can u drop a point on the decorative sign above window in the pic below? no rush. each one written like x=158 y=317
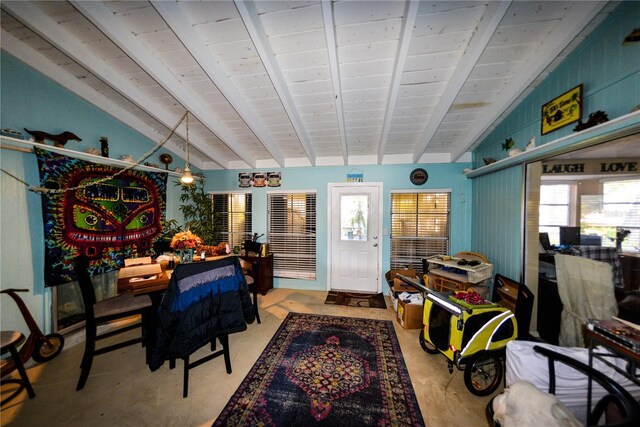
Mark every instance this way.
x=355 y=176
x=259 y=179
x=561 y=111
x=591 y=166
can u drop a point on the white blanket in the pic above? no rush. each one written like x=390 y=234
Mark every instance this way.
x=523 y=405
x=523 y=363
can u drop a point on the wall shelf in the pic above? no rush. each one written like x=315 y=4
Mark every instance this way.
x=620 y=127
x=25 y=146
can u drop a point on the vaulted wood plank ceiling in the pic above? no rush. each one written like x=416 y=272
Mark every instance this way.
x=300 y=83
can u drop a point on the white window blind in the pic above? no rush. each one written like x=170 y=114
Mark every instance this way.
x=234 y=213
x=555 y=209
x=292 y=234
x=419 y=227
x=619 y=207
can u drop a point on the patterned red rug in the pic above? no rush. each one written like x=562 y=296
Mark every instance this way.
x=327 y=371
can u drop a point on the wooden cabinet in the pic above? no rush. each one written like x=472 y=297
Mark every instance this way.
x=516 y=297
x=265 y=281
x=630 y=271
x=508 y=295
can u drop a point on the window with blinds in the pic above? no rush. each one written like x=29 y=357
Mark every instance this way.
x=234 y=213
x=419 y=227
x=617 y=208
x=292 y=234
x=555 y=209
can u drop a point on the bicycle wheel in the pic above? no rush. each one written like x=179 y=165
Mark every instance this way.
x=483 y=374
x=45 y=351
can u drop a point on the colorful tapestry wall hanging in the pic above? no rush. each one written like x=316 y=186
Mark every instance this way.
x=108 y=221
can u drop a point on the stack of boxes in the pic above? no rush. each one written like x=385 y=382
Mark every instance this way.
x=407 y=300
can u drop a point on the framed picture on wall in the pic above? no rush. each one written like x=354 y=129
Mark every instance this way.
x=561 y=111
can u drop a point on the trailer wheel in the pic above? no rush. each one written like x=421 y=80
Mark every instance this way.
x=483 y=374
x=426 y=345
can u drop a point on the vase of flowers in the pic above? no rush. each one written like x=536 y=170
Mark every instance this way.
x=184 y=244
x=621 y=234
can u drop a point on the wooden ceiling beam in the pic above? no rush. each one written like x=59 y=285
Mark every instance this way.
x=487 y=27
x=260 y=40
x=408 y=23
x=35 y=19
x=104 y=19
x=554 y=44
x=330 y=34
x=173 y=14
x=46 y=66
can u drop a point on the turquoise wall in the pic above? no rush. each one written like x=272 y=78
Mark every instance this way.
x=610 y=73
x=393 y=177
x=29 y=99
x=608 y=70
x=496 y=233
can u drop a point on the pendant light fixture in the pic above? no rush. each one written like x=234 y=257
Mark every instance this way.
x=186 y=177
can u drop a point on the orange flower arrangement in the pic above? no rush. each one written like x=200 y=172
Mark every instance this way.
x=185 y=240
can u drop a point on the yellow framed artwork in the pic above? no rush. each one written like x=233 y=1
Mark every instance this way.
x=561 y=111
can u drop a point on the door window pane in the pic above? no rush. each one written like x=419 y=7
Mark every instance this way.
x=354 y=212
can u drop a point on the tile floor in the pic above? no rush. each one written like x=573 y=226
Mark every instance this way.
x=122 y=391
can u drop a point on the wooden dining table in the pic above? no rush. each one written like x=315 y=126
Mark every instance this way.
x=150 y=281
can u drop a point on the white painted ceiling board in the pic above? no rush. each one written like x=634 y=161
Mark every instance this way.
x=275 y=58
x=368 y=52
x=368 y=32
x=353 y=12
x=287 y=21
x=312 y=39
x=228 y=31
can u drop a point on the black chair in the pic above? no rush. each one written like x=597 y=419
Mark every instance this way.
x=104 y=311
x=203 y=303
x=252 y=280
x=188 y=365
x=626 y=404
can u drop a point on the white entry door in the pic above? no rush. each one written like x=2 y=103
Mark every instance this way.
x=354 y=240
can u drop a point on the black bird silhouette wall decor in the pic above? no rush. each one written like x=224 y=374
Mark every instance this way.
x=59 y=140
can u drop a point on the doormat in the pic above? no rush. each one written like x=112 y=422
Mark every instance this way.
x=329 y=371
x=354 y=299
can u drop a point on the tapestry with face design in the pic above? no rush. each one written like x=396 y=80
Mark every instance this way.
x=105 y=214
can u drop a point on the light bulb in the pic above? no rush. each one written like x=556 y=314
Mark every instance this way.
x=186 y=177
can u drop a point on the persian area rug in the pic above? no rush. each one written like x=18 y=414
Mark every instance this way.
x=355 y=299
x=326 y=371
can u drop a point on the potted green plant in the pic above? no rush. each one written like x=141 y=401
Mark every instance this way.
x=197 y=211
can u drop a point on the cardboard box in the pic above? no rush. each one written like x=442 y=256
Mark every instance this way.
x=391 y=274
x=409 y=315
x=397 y=286
x=400 y=286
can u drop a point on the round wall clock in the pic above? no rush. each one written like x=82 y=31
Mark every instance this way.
x=418 y=176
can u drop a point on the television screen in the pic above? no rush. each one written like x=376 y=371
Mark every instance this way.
x=570 y=236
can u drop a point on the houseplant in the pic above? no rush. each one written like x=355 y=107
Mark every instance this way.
x=197 y=211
